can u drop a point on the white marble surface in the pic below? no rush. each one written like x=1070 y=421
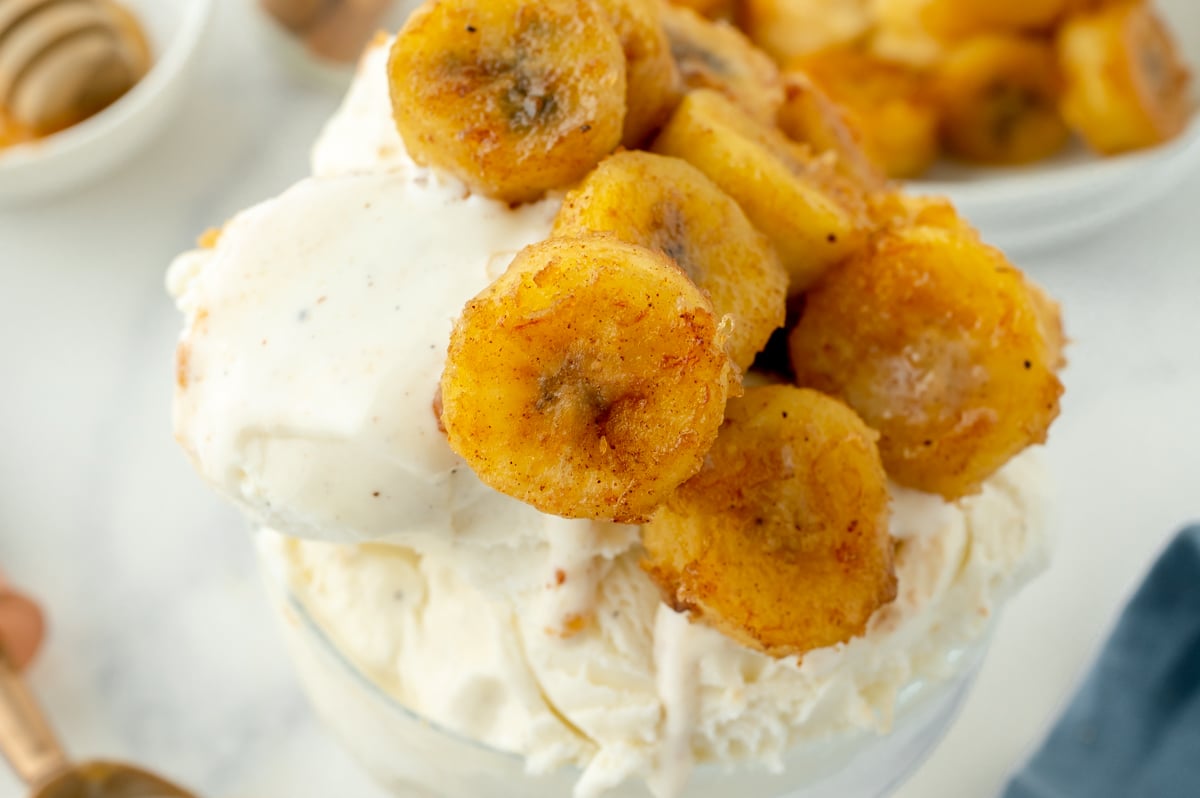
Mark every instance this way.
x=163 y=650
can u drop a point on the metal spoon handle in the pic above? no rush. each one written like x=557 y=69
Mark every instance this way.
x=26 y=738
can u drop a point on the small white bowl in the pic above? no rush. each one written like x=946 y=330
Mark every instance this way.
x=82 y=153
x=1056 y=201
x=1075 y=194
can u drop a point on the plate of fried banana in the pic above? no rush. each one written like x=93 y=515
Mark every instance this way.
x=1041 y=119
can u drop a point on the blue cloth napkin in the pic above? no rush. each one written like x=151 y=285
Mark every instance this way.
x=1133 y=729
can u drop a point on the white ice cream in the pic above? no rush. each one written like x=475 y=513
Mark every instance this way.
x=315 y=335
x=622 y=684
x=361 y=136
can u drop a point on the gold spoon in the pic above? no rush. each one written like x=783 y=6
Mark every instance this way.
x=28 y=741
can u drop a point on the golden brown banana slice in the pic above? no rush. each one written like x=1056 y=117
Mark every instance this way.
x=999 y=98
x=781 y=541
x=1053 y=331
x=789 y=28
x=897 y=209
x=810 y=116
x=891 y=102
x=812 y=214
x=1126 y=84
x=668 y=205
x=515 y=97
x=956 y=19
x=713 y=9
x=654 y=84
x=714 y=55
x=589 y=380
x=937 y=342
x=899 y=35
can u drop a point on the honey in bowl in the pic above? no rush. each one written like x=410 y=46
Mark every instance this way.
x=12 y=133
x=63 y=61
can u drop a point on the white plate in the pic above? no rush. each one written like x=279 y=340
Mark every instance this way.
x=1053 y=202
x=92 y=148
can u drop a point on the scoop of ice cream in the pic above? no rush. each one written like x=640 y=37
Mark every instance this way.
x=362 y=136
x=436 y=622
x=638 y=681
x=315 y=337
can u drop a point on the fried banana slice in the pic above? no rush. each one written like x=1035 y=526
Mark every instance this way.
x=514 y=97
x=897 y=210
x=654 y=84
x=1053 y=331
x=899 y=35
x=668 y=205
x=999 y=97
x=588 y=381
x=938 y=343
x=814 y=215
x=781 y=541
x=714 y=55
x=713 y=9
x=786 y=29
x=890 y=101
x=956 y=19
x=810 y=116
x=1127 y=87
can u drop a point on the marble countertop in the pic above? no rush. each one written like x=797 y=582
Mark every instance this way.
x=163 y=649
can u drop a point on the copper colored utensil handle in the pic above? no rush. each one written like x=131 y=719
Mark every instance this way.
x=26 y=738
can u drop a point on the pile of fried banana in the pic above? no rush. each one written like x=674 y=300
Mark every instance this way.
x=994 y=82
x=719 y=220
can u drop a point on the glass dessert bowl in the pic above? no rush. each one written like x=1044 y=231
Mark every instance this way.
x=444 y=689
x=483 y=372
x=413 y=757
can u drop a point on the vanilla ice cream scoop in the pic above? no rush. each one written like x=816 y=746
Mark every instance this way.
x=315 y=338
x=61 y=61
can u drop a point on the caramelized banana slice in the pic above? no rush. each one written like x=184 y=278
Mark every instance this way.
x=1126 y=84
x=956 y=19
x=999 y=100
x=515 y=97
x=781 y=541
x=654 y=84
x=713 y=55
x=891 y=102
x=1053 y=331
x=668 y=205
x=589 y=380
x=713 y=9
x=900 y=35
x=811 y=117
x=897 y=209
x=937 y=342
x=813 y=215
x=789 y=28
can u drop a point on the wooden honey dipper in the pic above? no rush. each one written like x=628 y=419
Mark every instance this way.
x=27 y=740
x=61 y=61
x=21 y=626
